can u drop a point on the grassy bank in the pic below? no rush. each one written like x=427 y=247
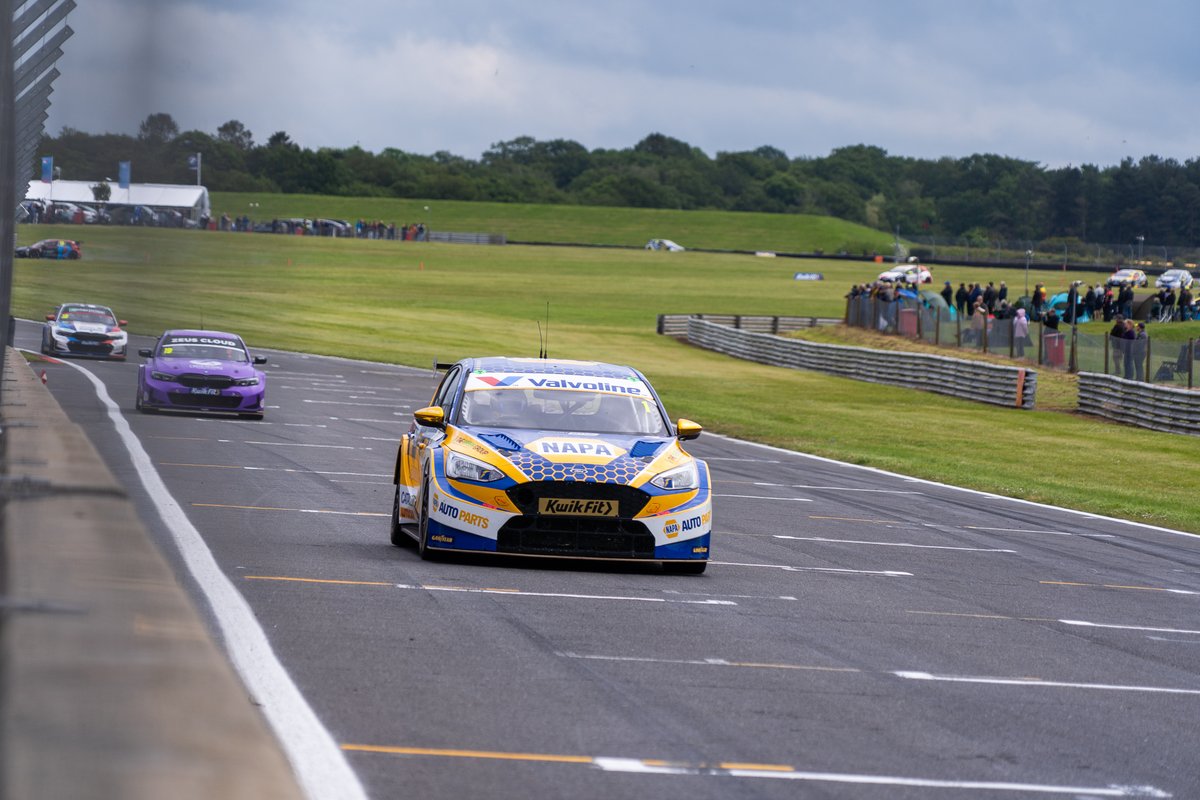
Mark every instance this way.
x=410 y=302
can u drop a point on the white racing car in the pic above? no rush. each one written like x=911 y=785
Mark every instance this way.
x=84 y=329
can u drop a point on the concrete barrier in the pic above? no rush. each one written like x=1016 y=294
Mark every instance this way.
x=112 y=686
x=1161 y=408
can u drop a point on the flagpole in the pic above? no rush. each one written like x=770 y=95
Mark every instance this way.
x=199 y=156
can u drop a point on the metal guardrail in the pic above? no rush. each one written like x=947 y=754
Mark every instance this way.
x=968 y=380
x=677 y=324
x=1160 y=408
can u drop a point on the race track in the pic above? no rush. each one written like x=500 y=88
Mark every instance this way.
x=857 y=634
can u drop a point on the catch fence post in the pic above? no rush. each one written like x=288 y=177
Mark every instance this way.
x=1106 y=338
x=1041 y=340
x=937 y=328
x=1146 y=373
x=1191 y=360
x=1073 y=364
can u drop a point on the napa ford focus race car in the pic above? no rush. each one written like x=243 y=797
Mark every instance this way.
x=83 y=329
x=201 y=371
x=552 y=458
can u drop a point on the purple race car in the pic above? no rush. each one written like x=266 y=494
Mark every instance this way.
x=201 y=371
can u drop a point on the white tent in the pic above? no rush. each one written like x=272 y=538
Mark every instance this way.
x=190 y=200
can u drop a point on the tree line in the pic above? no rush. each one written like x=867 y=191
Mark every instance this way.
x=978 y=198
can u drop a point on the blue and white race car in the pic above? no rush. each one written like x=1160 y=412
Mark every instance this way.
x=84 y=329
x=552 y=458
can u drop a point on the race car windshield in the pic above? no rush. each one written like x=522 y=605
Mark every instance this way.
x=563 y=410
x=89 y=315
x=214 y=352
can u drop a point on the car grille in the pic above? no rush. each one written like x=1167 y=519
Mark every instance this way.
x=91 y=337
x=89 y=347
x=607 y=537
x=193 y=380
x=205 y=401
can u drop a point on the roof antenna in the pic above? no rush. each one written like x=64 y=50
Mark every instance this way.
x=541 y=342
x=546 y=346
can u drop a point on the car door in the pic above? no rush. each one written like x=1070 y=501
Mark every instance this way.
x=421 y=442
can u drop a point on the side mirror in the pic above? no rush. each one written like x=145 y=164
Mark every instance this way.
x=122 y=322
x=146 y=352
x=50 y=318
x=431 y=417
x=260 y=359
x=686 y=429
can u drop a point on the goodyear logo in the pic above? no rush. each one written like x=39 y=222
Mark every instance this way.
x=699 y=550
x=439 y=537
x=577 y=508
x=566 y=450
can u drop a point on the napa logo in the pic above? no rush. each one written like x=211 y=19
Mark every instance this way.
x=573 y=450
x=671 y=528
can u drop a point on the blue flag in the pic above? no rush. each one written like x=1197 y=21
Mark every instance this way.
x=123 y=170
x=47 y=169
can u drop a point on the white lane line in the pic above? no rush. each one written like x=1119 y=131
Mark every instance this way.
x=338 y=389
x=342 y=403
x=380 y=438
x=294 y=510
x=638 y=766
x=328 y=378
x=405 y=421
x=703 y=662
x=320 y=765
x=1040 y=684
x=894 y=544
x=372 y=483
x=261 y=422
x=742 y=460
x=520 y=593
x=294 y=444
x=762 y=497
x=833 y=488
x=273 y=469
x=1082 y=624
x=734 y=596
x=789 y=568
x=1027 y=530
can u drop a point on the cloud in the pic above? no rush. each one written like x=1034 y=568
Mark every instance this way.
x=1067 y=82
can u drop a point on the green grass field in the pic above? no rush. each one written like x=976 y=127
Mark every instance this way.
x=411 y=302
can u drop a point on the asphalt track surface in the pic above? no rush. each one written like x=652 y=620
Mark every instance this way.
x=858 y=634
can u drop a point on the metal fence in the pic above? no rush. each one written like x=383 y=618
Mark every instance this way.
x=677 y=324
x=1049 y=254
x=1064 y=347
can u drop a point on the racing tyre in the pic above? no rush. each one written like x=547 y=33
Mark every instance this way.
x=399 y=537
x=684 y=567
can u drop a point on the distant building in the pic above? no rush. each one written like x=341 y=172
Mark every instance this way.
x=189 y=200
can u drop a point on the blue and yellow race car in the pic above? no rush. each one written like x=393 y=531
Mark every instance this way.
x=568 y=459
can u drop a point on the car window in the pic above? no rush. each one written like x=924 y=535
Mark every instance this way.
x=445 y=394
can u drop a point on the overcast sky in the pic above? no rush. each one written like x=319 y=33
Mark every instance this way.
x=1052 y=81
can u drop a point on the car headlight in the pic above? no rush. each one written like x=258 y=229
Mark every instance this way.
x=466 y=468
x=63 y=332
x=246 y=381
x=163 y=376
x=678 y=479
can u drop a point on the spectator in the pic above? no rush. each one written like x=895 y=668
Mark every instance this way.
x=960 y=299
x=1089 y=302
x=1003 y=310
x=1185 y=304
x=1125 y=300
x=948 y=294
x=1116 y=342
x=1050 y=319
x=1020 y=332
x=973 y=298
x=1002 y=294
x=989 y=297
x=1039 y=300
x=1107 y=306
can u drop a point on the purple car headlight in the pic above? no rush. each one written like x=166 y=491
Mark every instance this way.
x=253 y=381
x=165 y=377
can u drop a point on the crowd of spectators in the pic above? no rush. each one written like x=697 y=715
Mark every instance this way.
x=304 y=226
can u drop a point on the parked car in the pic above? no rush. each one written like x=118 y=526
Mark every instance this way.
x=664 y=244
x=1174 y=279
x=51 y=248
x=133 y=215
x=907 y=273
x=73 y=213
x=1134 y=277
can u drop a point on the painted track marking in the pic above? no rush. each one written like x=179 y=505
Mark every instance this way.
x=891 y=544
x=789 y=568
x=296 y=510
x=1121 y=586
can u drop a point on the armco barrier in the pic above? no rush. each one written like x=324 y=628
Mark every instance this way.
x=969 y=380
x=676 y=324
x=1160 y=408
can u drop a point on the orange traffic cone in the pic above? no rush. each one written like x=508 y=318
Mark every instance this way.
x=43 y=376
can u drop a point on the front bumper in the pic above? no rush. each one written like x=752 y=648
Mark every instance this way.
x=88 y=345
x=511 y=523
x=164 y=395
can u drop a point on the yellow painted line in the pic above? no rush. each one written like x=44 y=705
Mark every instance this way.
x=315 y=580
x=756 y=665
x=488 y=754
x=856 y=519
x=297 y=510
x=1113 y=586
x=205 y=466
x=980 y=616
x=755 y=767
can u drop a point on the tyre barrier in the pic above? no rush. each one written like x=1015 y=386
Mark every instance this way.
x=676 y=324
x=1147 y=405
x=1015 y=387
